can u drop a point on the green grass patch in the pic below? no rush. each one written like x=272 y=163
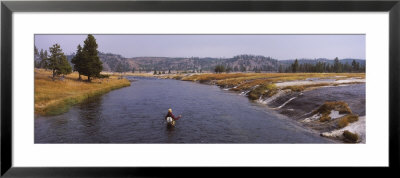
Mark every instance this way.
x=265 y=89
x=63 y=105
x=103 y=76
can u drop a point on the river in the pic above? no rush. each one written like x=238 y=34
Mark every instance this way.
x=135 y=114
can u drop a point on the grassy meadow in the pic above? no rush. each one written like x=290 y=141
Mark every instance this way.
x=55 y=97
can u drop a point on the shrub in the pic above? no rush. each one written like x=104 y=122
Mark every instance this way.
x=325 y=117
x=327 y=107
x=219 y=69
x=204 y=81
x=103 y=76
x=350 y=137
x=344 y=121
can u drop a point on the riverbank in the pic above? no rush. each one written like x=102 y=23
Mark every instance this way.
x=55 y=97
x=135 y=114
x=304 y=97
x=136 y=74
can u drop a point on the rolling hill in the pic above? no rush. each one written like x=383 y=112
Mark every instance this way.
x=245 y=62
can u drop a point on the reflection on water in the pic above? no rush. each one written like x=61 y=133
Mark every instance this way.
x=135 y=114
x=89 y=115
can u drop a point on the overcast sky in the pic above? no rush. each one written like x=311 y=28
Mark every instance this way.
x=276 y=46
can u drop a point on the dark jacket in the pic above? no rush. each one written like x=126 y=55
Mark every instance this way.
x=171 y=115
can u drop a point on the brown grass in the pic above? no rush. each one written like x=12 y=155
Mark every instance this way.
x=251 y=81
x=350 y=137
x=244 y=81
x=296 y=88
x=250 y=84
x=299 y=88
x=202 y=78
x=55 y=97
x=325 y=117
x=143 y=74
x=346 y=120
x=327 y=107
x=340 y=106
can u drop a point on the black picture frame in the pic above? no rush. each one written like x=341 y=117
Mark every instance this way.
x=8 y=7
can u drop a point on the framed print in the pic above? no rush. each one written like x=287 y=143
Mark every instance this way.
x=102 y=88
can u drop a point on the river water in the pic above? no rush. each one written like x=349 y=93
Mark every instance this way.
x=135 y=114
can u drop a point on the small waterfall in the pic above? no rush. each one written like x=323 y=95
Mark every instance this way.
x=285 y=103
x=244 y=93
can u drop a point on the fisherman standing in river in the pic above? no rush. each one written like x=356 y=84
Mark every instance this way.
x=171 y=118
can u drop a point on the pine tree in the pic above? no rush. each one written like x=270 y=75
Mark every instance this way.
x=64 y=68
x=92 y=66
x=42 y=58
x=219 y=69
x=355 y=66
x=41 y=54
x=43 y=61
x=295 y=66
x=319 y=67
x=35 y=51
x=280 y=69
x=36 y=57
x=346 y=67
x=77 y=60
x=57 y=62
x=337 y=66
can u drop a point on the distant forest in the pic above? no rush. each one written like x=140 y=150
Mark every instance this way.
x=240 y=63
x=324 y=67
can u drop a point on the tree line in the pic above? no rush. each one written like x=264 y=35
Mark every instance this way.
x=56 y=62
x=221 y=68
x=319 y=67
x=322 y=67
x=86 y=60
